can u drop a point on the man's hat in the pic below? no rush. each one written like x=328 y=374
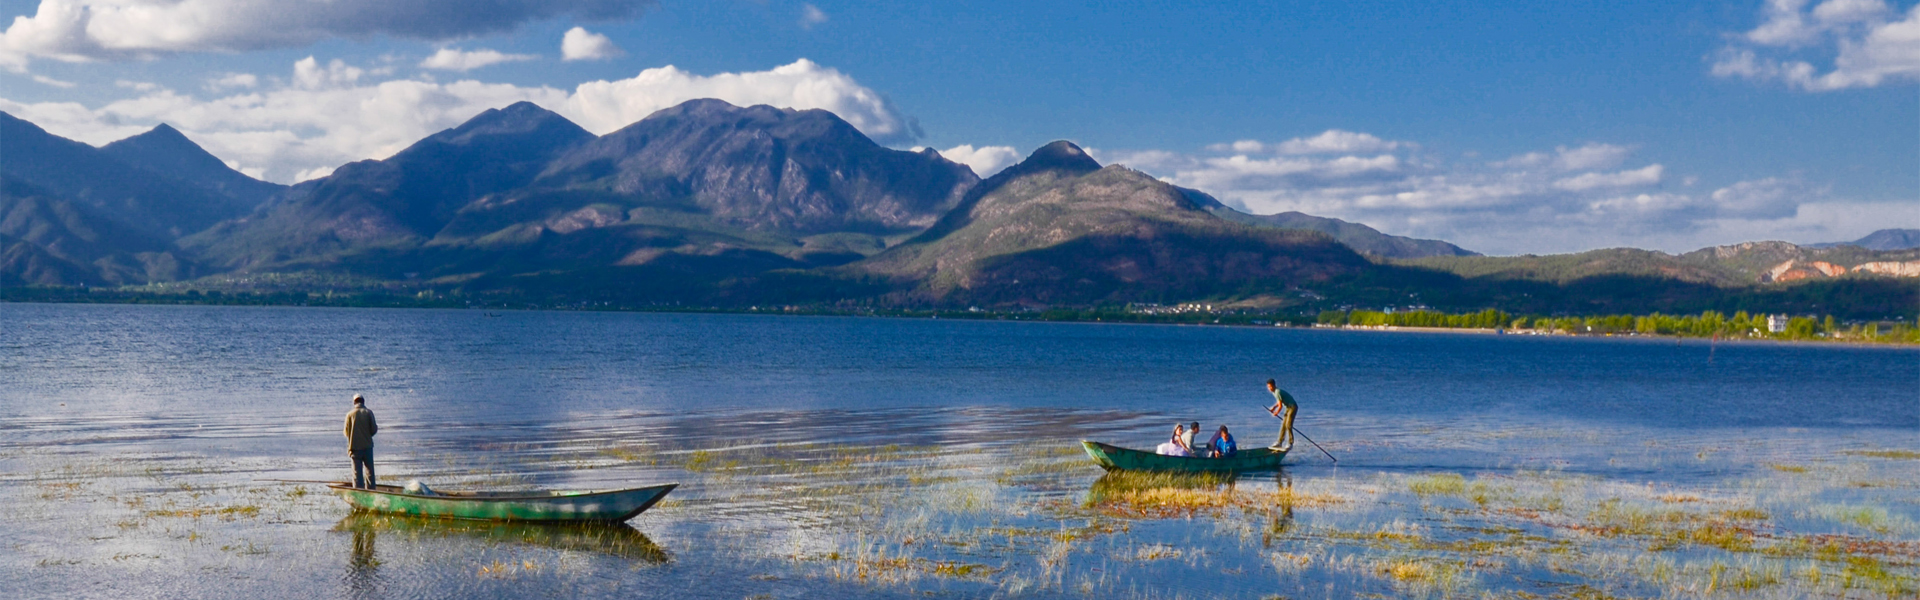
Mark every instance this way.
x=357 y=399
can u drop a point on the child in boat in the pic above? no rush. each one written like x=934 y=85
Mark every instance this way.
x=1223 y=445
x=1172 y=446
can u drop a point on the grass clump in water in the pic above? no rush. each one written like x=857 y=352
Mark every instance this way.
x=1894 y=454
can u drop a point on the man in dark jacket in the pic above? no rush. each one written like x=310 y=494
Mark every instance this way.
x=359 y=430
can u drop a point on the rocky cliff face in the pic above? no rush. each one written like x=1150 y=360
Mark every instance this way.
x=768 y=169
x=165 y=150
x=402 y=200
x=1059 y=228
x=1361 y=238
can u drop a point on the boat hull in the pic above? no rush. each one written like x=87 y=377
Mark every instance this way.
x=1115 y=458
x=611 y=506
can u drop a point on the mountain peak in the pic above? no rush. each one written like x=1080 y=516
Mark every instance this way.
x=518 y=118
x=165 y=150
x=1060 y=155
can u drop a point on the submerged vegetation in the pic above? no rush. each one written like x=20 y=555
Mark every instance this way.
x=1010 y=518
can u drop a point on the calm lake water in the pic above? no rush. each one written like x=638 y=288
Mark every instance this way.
x=899 y=457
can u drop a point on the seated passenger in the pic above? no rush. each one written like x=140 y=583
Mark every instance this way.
x=1223 y=445
x=1193 y=449
x=1174 y=447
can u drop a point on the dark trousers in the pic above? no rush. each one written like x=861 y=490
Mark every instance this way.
x=362 y=459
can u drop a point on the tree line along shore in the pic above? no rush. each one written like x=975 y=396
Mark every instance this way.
x=1707 y=324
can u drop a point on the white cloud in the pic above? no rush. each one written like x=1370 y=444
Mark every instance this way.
x=607 y=105
x=450 y=59
x=580 y=44
x=1569 y=198
x=1643 y=176
x=1331 y=141
x=91 y=30
x=328 y=114
x=984 y=160
x=811 y=16
x=231 y=81
x=53 y=82
x=1869 y=44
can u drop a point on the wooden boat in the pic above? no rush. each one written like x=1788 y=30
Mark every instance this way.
x=612 y=506
x=613 y=539
x=1115 y=458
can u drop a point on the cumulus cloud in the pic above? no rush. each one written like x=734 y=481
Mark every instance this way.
x=53 y=82
x=609 y=105
x=984 y=160
x=92 y=30
x=231 y=81
x=1331 y=141
x=580 y=44
x=327 y=114
x=1643 y=176
x=1570 y=198
x=450 y=59
x=811 y=16
x=1868 y=42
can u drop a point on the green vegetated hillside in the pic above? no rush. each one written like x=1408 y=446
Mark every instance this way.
x=712 y=205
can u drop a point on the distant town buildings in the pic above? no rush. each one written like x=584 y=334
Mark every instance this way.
x=1776 y=323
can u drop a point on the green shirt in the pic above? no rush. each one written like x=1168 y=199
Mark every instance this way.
x=1283 y=398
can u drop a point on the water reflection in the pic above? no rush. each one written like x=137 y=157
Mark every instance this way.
x=1280 y=521
x=615 y=539
x=1117 y=485
x=363 y=566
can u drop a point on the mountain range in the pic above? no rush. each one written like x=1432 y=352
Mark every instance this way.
x=707 y=203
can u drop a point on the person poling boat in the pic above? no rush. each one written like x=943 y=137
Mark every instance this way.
x=359 y=430
x=1283 y=407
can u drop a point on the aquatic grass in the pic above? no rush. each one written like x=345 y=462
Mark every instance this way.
x=1888 y=454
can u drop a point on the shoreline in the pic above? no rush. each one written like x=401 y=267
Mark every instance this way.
x=1249 y=321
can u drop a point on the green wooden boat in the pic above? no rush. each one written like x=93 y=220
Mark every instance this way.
x=613 y=539
x=612 y=506
x=1115 y=458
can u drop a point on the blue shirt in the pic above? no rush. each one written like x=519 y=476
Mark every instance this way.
x=1224 y=444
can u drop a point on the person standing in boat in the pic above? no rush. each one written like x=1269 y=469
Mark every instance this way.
x=359 y=431
x=1284 y=408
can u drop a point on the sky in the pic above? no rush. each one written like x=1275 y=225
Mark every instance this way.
x=1507 y=128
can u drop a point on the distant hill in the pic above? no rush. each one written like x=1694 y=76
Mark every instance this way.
x=401 y=201
x=1362 y=238
x=761 y=168
x=159 y=202
x=1058 y=228
x=710 y=204
x=72 y=214
x=1731 y=265
x=165 y=150
x=1885 y=239
x=521 y=189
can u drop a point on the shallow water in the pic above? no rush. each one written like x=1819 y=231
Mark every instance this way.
x=894 y=457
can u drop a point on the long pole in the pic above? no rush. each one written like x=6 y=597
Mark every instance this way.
x=300 y=481
x=1309 y=440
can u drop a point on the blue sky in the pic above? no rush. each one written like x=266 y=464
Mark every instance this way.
x=1520 y=127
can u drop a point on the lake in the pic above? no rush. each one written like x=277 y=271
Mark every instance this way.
x=925 y=457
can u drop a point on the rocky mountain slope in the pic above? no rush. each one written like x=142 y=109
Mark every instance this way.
x=1361 y=238
x=1060 y=228
x=72 y=214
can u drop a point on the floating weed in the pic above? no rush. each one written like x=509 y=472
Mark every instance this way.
x=225 y=513
x=1790 y=468
x=1153 y=552
x=1892 y=454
